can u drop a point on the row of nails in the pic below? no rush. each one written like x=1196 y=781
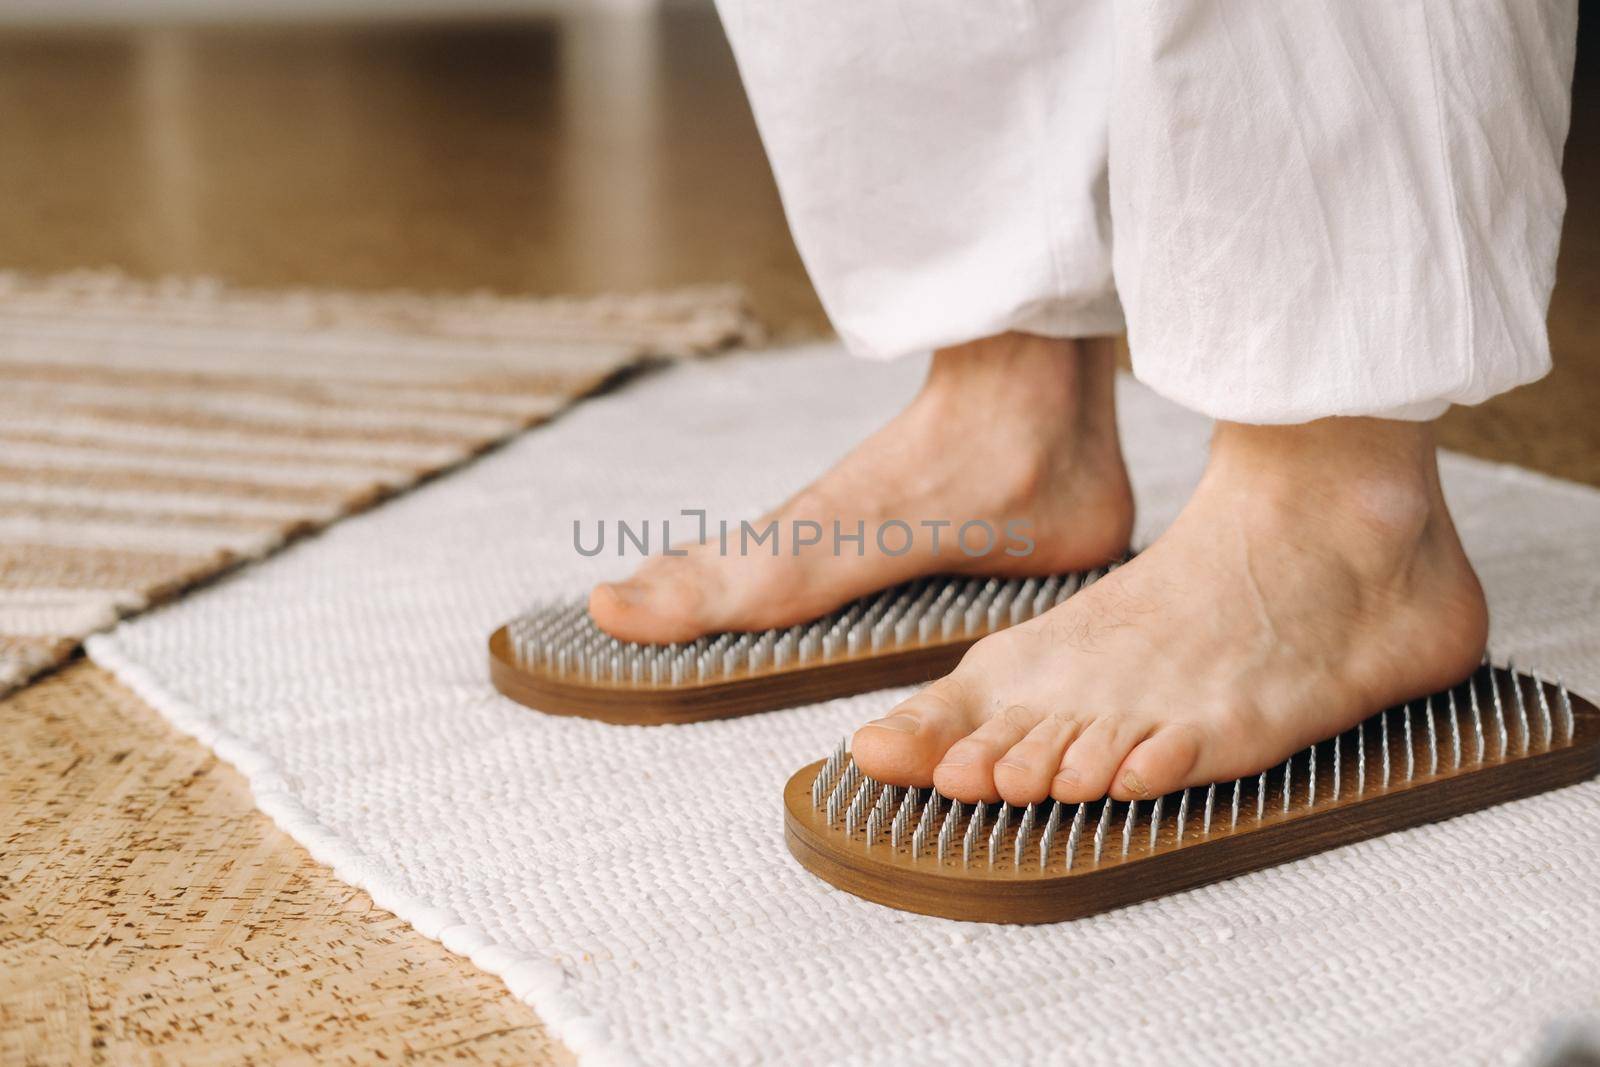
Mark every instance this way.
x=564 y=641
x=840 y=789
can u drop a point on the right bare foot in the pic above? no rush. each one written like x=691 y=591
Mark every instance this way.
x=1314 y=578
x=1011 y=429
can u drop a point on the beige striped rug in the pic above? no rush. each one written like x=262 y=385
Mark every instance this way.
x=155 y=434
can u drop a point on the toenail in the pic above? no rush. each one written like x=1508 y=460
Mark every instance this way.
x=903 y=724
x=630 y=593
x=1134 y=784
x=1068 y=776
x=957 y=758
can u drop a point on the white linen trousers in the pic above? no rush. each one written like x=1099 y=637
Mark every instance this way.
x=1296 y=208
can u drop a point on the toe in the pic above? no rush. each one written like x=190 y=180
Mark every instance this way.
x=904 y=747
x=659 y=605
x=967 y=770
x=1023 y=774
x=1161 y=763
x=1090 y=761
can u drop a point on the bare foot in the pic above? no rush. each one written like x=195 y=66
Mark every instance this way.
x=1012 y=429
x=1314 y=578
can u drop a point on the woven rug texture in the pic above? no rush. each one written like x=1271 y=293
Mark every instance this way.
x=153 y=435
x=631 y=883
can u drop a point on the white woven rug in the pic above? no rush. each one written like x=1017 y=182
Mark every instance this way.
x=632 y=883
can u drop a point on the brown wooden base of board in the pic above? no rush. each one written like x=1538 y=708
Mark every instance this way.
x=654 y=705
x=1393 y=772
x=555 y=659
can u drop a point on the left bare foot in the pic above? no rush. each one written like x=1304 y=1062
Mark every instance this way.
x=1009 y=429
x=1314 y=579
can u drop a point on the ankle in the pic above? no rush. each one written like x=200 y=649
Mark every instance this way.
x=1051 y=387
x=1371 y=483
x=1003 y=367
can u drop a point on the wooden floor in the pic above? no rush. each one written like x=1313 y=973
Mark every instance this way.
x=547 y=156
x=146 y=911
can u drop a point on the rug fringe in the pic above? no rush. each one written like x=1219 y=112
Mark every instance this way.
x=679 y=323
